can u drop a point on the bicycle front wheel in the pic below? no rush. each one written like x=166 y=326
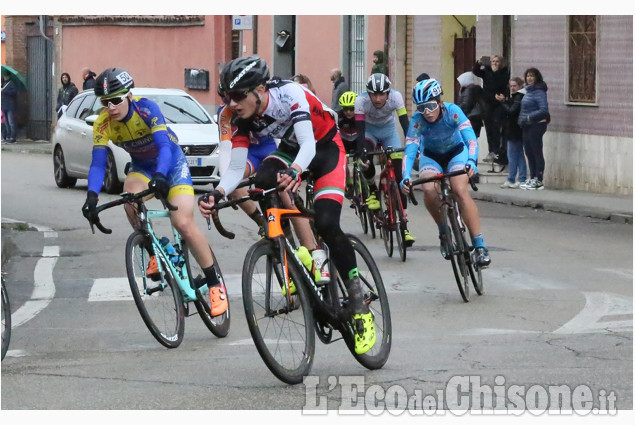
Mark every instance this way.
x=282 y=330
x=400 y=222
x=159 y=301
x=384 y=222
x=457 y=250
x=6 y=321
x=375 y=296
x=218 y=325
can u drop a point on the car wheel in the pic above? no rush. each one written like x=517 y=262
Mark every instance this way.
x=111 y=179
x=59 y=170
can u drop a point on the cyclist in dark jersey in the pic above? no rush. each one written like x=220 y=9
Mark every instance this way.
x=309 y=140
x=348 y=131
x=138 y=126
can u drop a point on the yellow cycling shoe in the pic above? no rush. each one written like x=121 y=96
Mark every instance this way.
x=372 y=203
x=408 y=238
x=364 y=332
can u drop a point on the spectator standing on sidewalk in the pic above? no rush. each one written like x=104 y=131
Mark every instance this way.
x=495 y=75
x=513 y=134
x=472 y=101
x=533 y=119
x=379 y=64
x=89 y=78
x=9 y=108
x=66 y=93
x=340 y=86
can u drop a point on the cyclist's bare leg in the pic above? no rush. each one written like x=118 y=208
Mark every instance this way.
x=301 y=226
x=467 y=206
x=431 y=199
x=134 y=184
x=183 y=220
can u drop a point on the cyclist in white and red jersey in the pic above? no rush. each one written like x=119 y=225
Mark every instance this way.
x=374 y=112
x=309 y=140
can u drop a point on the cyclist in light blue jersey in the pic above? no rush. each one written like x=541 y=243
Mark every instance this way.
x=446 y=142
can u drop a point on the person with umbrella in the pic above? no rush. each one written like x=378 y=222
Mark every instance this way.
x=9 y=106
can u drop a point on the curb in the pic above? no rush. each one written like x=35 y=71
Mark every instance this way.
x=558 y=207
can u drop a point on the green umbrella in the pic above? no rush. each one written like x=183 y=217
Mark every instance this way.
x=15 y=75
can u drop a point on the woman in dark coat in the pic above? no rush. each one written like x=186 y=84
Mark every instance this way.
x=513 y=135
x=495 y=75
x=533 y=119
x=66 y=93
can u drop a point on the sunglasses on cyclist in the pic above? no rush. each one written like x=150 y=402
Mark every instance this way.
x=348 y=108
x=428 y=106
x=236 y=96
x=113 y=100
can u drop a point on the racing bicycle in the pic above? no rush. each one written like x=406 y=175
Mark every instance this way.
x=284 y=306
x=461 y=252
x=6 y=320
x=164 y=301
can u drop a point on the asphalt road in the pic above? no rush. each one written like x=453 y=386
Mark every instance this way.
x=557 y=311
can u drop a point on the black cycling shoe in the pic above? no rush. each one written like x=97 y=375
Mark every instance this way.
x=482 y=257
x=445 y=252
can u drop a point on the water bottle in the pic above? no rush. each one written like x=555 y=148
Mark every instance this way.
x=305 y=257
x=169 y=249
x=321 y=266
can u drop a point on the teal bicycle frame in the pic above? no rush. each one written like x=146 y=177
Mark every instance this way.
x=178 y=271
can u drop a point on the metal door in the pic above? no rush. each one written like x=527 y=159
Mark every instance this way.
x=464 y=56
x=39 y=86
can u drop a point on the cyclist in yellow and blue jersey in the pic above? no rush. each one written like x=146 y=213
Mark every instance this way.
x=157 y=162
x=446 y=142
x=374 y=112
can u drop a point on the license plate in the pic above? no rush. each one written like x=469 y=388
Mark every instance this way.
x=196 y=162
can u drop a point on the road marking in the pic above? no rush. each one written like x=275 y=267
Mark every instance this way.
x=626 y=273
x=43 y=288
x=118 y=288
x=601 y=313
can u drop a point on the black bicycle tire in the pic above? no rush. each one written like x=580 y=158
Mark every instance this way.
x=370 y=360
x=476 y=275
x=218 y=325
x=6 y=317
x=385 y=232
x=267 y=248
x=358 y=200
x=138 y=238
x=459 y=266
x=370 y=214
x=400 y=229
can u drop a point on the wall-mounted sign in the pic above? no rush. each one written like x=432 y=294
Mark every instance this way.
x=242 y=22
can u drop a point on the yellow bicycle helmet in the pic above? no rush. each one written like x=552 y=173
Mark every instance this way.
x=347 y=99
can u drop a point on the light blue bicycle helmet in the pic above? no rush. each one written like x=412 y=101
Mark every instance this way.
x=426 y=90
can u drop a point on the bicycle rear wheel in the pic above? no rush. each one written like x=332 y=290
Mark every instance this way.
x=384 y=229
x=218 y=325
x=160 y=302
x=6 y=321
x=457 y=252
x=283 y=332
x=400 y=223
x=375 y=295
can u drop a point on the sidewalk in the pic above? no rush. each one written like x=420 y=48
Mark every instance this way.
x=616 y=208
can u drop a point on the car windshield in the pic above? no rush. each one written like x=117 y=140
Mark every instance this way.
x=180 y=109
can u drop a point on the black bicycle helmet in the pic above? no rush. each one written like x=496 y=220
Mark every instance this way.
x=378 y=83
x=113 y=81
x=244 y=74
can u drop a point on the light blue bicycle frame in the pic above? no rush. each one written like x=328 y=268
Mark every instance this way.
x=180 y=273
